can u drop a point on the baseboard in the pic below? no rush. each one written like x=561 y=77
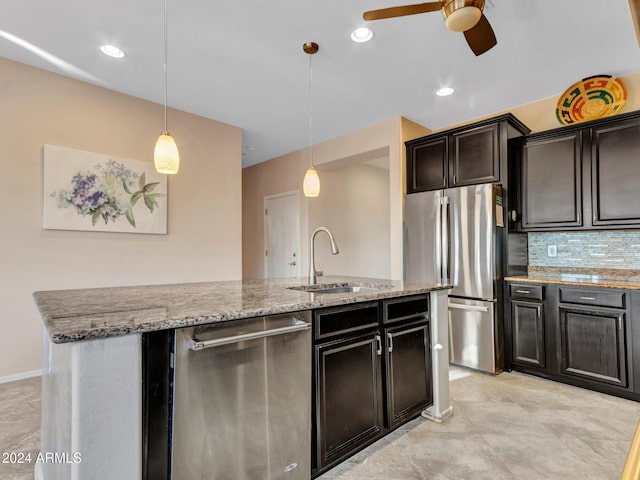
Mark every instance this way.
x=20 y=376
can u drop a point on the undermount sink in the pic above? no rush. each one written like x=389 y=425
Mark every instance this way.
x=346 y=288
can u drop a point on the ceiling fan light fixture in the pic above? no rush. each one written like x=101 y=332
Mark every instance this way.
x=463 y=19
x=444 y=91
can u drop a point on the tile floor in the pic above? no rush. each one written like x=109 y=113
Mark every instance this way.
x=512 y=426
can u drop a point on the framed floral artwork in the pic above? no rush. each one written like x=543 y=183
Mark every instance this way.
x=101 y=193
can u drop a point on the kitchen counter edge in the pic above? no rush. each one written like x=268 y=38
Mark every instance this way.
x=579 y=282
x=98 y=313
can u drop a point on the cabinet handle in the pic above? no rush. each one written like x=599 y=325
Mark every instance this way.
x=378 y=345
x=587 y=298
x=523 y=291
x=390 y=342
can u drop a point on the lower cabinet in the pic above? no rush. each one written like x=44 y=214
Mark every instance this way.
x=527 y=327
x=372 y=373
x=408 y=360
x=593 y=344
x=348 y=396
x=577 y=335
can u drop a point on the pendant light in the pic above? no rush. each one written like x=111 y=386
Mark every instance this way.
x=311 y=182
x=165 y=156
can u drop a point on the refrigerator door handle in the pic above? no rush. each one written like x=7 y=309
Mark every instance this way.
x=438 y=244
x=444 y=213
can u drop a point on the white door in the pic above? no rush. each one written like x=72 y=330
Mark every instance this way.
x=282 y=235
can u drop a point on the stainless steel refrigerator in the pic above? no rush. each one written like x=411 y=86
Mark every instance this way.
x=451 y=236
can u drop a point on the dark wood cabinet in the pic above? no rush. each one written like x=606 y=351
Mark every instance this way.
x=581 y=177
x=475 y=156
x=372 y=373
x=528 y=336
x=349 y=396
x=615 y=174
x=551 y=184
x=409 y=379
x=593 y=344
x=467 y=155
x=583 y=336
x=348 y=404
x=527 y=327
x=428 y=165
x=593 y=335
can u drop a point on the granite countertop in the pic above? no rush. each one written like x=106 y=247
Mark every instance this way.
x=72 y=315
x=604 y=278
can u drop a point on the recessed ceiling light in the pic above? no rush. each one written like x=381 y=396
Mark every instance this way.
x=444 y=91
x=361 y=35
x=112 y=51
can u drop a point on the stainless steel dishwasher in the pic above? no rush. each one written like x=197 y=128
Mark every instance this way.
x=242 y=400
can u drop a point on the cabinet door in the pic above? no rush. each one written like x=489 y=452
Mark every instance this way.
x=409 y=384
x=528 y=333
x=593 y=345
x=475 y=156
x=615 y=170
x=349 y=410
x=552 y=182
x=427 y=165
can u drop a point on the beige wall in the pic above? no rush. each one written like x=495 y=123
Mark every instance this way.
x=541 y=114
x=285 y=173
x=354 y=205
x=204 y=205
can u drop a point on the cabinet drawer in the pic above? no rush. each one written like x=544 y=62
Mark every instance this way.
x=600 y=298
x=339 y=320
x=526 y=291
x=406 y=307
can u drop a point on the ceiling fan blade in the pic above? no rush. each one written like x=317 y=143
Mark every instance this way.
x=634 y=6
x=402 y=11
x=481 y=37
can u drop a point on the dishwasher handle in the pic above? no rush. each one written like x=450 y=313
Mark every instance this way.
x=197 y=345
x=462 y=306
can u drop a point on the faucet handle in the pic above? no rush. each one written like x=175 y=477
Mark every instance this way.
x=319 y=270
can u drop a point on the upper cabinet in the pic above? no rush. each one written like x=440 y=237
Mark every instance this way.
x=615 y=174
x=582 y=177
x=468 y=155
x=552 y=181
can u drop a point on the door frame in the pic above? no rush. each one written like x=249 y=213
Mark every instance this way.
x=265 y=230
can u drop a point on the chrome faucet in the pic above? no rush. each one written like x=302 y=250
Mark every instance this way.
x=313 y=272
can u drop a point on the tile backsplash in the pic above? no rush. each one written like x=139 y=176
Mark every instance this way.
x=607 y=249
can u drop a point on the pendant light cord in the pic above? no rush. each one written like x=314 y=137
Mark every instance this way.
x=310 y=111
x=165 y=66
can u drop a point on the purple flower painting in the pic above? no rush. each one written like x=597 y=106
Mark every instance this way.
x=97 y=192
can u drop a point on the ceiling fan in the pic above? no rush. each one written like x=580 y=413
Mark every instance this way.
x=634 y=6
x=460 y=16
x=466 y=16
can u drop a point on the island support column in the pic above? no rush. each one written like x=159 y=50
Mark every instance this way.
x=439 y=307
x=91 y=410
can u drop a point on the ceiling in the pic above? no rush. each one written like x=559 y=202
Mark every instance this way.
x=241 y=61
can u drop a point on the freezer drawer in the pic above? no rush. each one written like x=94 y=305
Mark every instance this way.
x=471 y=334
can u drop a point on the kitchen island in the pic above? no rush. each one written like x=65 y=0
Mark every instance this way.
x=92 y=378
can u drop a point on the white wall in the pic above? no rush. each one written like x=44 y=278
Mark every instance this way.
x=204 y=203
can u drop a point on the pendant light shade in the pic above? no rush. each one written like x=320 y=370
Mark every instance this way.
x=311 y=183
x=165 y=156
